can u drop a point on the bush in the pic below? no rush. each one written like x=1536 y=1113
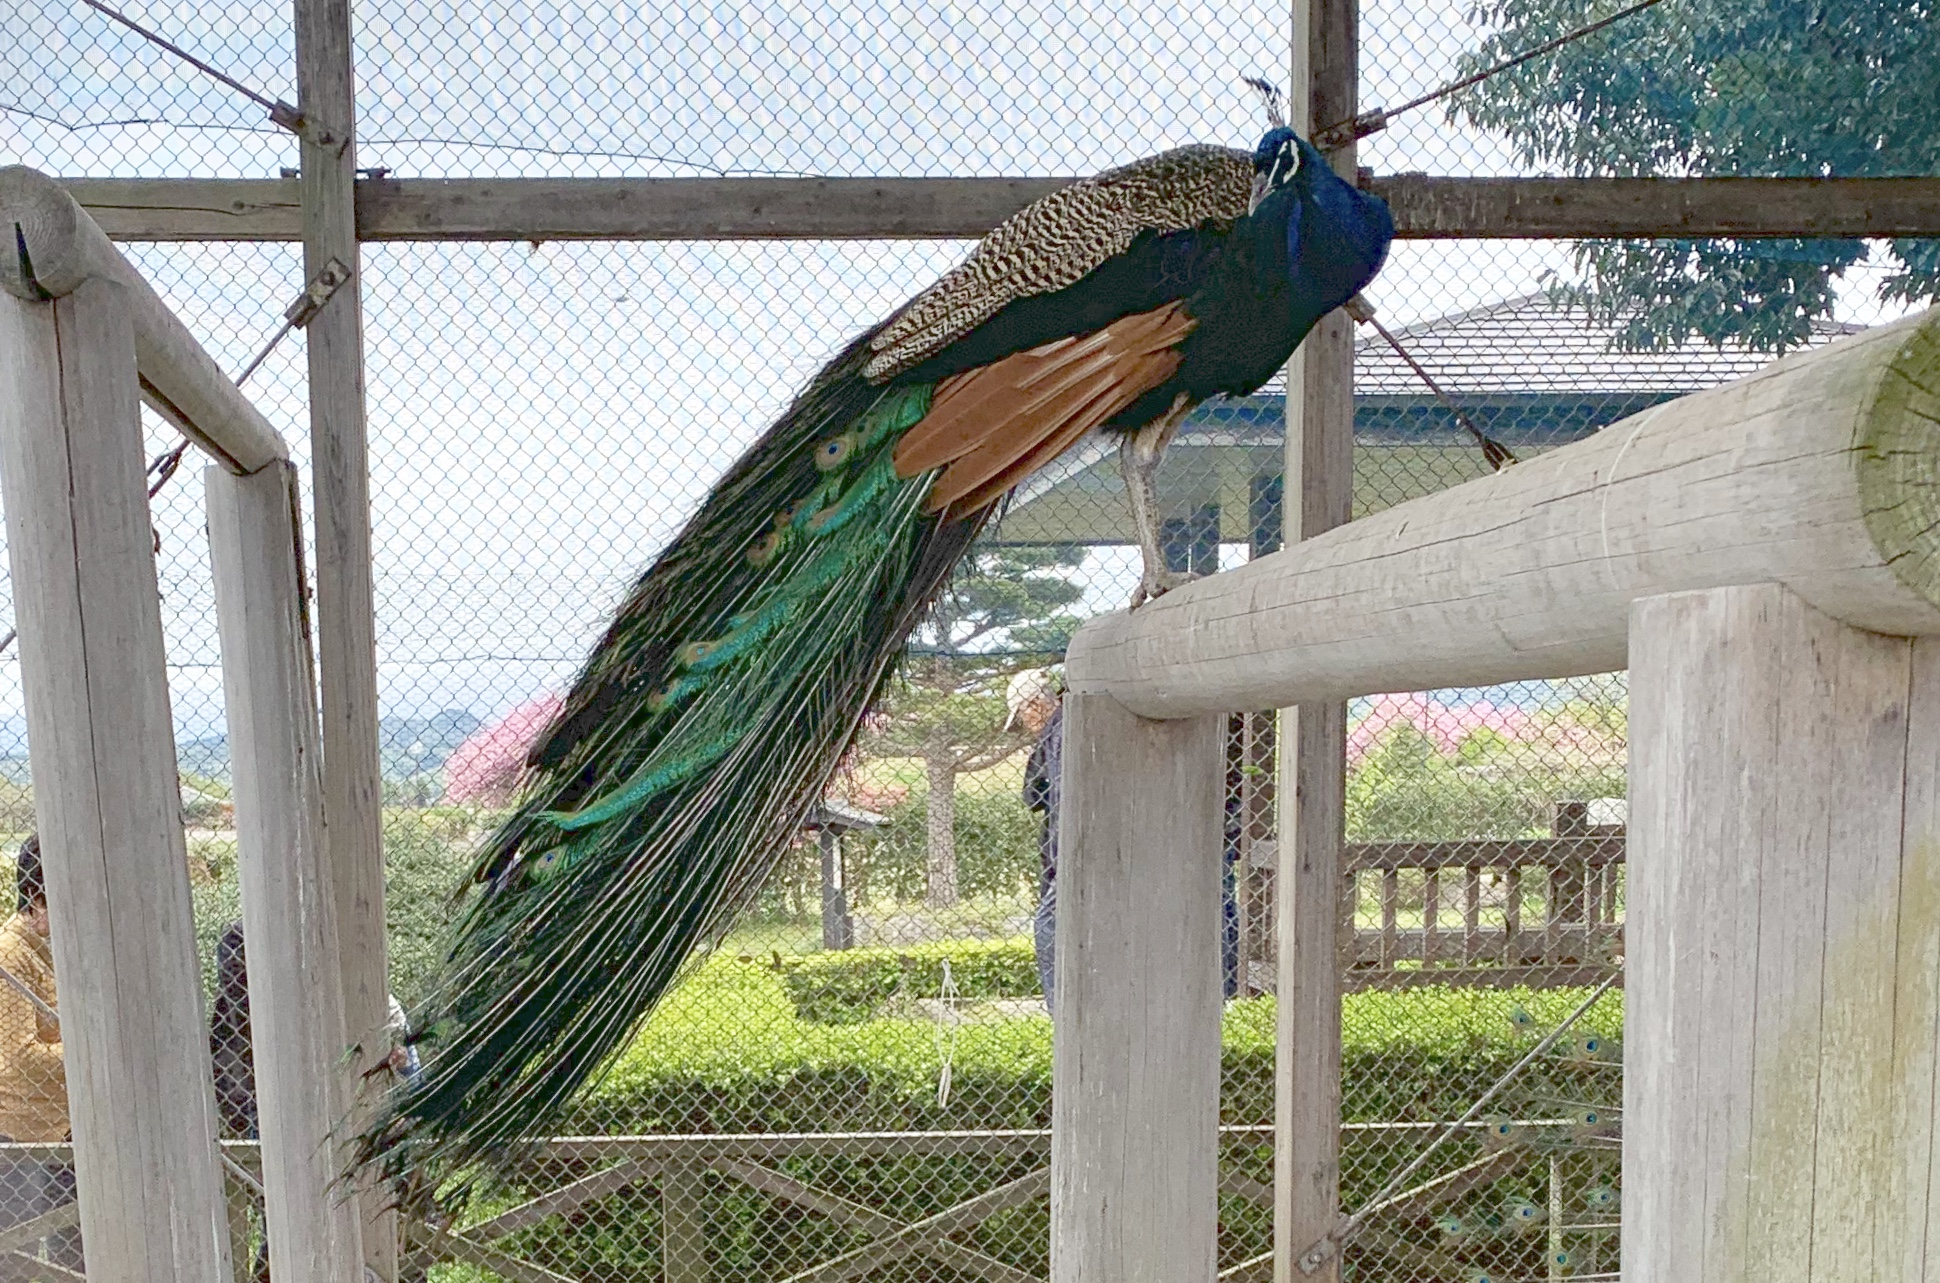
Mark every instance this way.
x=428 y=856
x=854 y=984
x=728 y=1052
x=1405 y=789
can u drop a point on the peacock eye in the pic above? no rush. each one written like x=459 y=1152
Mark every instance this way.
x=763 y=550
x=694 y=652
x=834 y=452
x=658 y=701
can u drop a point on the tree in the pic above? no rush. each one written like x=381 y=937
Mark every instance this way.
x=1005 y=610
x=1713 y=88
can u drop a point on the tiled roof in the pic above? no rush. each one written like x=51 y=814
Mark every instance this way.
x=1534 y=345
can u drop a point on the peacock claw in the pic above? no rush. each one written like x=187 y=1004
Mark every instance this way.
x=1154 y=584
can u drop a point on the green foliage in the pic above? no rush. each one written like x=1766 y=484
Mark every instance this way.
x=854 y=984
x=1411 y=1057
x=1008 y=598
x=1406 y=790
x=427 y=854
x=997 y=857
x=997 y=849
x=1723 y=87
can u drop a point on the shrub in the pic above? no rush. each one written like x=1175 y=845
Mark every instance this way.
x=854 y=984
x=428 y=856
x=727 y=1052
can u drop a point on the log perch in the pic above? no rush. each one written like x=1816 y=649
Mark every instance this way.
x=1820 y=472
x=57 y=247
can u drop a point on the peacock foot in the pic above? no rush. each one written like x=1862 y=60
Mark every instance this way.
x=1154 y=584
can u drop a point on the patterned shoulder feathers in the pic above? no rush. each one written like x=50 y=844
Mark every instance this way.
x=1055 y=241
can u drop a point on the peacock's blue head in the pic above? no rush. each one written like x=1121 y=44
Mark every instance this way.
x=1277 y=161
x=1337 y=234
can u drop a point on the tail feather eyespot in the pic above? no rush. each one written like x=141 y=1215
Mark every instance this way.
x=834 y=452
x=763 y=550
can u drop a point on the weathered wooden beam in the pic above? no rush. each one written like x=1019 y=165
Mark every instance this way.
x=107 y=802
x=56 y=247
x=780 y=1185
x=345 y=595
x=587 y=1189
x=757 y=1145
x=1135 y=1064
x=1430 y=208
x=1483 y=853
x=1784 y=888
x=683 y=1224
x=288 y=894
x=446 y=1245
x=1425 y=207
x=1815 y=473
x=1548 y=975
x=913 y=1238
x=1324 y=76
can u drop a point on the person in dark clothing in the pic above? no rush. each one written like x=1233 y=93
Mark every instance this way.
x=33 y=1078
x=1034 y=704
x=1037 y=705
x=229 y=1047
x=235 y=1074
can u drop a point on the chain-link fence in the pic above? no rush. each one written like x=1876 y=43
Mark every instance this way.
x=857 y=1082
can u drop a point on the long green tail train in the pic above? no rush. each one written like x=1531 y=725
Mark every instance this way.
x=704 y=726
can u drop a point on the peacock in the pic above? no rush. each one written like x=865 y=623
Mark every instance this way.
x=711 y=714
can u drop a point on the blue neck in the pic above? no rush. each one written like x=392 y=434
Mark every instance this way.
x=1337 y=240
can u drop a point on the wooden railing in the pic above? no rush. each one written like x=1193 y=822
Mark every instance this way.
x=1536 y=912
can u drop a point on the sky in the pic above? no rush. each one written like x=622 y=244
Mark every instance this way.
x=544 y=417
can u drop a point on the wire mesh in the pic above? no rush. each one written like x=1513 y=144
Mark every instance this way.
x=858 y=1081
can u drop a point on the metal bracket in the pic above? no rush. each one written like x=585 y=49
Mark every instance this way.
x=1335 y=137
x=321 y=289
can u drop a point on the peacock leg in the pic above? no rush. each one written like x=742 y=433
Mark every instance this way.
x=1139 y=456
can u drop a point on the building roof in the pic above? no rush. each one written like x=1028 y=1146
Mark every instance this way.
x=1535 y=344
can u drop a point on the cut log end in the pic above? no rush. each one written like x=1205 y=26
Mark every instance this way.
x=1898 y=456
x=39 y=226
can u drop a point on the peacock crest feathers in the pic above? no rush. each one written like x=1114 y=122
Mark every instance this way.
x=1056 y=240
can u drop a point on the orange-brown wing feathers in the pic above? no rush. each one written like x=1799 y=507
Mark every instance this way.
x=991 y=427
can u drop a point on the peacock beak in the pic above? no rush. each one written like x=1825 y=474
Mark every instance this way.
x=1260 y=186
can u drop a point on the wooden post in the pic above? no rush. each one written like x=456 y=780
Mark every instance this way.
x=1783 y=944
x=288 y=895
x=838 y=928
x=683 y=1224
x=1569 y=878
x=1135 y=1075
x=1320 y=494
x=141 y=1095
x=346 y=613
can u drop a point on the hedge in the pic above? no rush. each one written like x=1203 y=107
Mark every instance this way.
x=729 y=1052
x=851 y=985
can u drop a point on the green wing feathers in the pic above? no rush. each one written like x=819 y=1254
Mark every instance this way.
x=702 y=730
